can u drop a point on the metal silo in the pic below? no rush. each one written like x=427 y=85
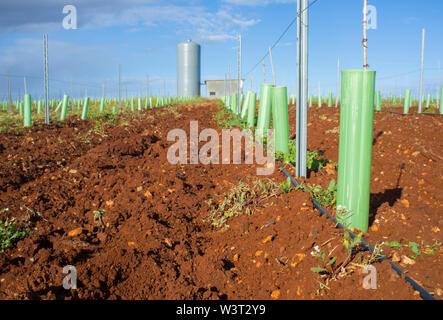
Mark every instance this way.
x=188 y=69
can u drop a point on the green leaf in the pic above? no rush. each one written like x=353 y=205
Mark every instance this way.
x=394 y=244
x=331 y=261
x=318 y=269
x=431 y=252
x=331 y=185
x=414 y=248
x=357 y=240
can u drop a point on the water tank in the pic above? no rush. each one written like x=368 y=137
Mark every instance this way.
x=188 y=69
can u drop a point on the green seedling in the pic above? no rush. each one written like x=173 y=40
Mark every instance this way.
x=98 y=128
x=417 y=249
x=323 y=197
x=314 y=160
x=231 y=121
x=286 y=187
x=98 y=215
x=350 y=243
x=373 y=257
x=322 y=256
x=323 y=269
x=9 y=234
x=430 y=249
x=393 y=244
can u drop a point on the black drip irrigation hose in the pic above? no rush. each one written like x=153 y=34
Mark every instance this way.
x=413 y=114
x=424 y=294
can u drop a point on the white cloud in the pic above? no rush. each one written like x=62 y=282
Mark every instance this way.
x=219 y=37
x=201 y=22
x=257 y=2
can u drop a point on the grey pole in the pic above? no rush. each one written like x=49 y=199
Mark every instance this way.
x=225 y=87
x=337 y=85
x=439 y=86
x=120 y=87
x=26 y=89
x=421 y=70
x=302 y=88
x=72 y=93
x=9 y=91
x=45 y=54
x=365 y=39
x=147 y=86
x=230 y=81
x=264 y=71
x=239 y=76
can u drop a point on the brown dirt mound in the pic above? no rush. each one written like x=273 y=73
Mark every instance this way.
x=134 y=226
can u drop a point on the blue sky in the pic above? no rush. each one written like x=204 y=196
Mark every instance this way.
x=142 y=36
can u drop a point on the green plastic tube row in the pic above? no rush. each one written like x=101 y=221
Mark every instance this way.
x=251 y=109
x=264 y=110
x=355 y=148
x=64 y=107
x=378 y=101
x=407 y=102
x=441 y=100
x=102 y=105
x=244 y=109
x=27 y=111
x=85 y=109
x=273 y=101
x=280 y=119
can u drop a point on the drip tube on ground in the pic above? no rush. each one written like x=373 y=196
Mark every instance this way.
x=412 y=114
x=423 y=293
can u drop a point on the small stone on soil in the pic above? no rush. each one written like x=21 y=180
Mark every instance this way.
x=395 y=257
x=275 y=294
x=75 y=232
x=168 y=242
x=407 y=260
x=267 y=239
